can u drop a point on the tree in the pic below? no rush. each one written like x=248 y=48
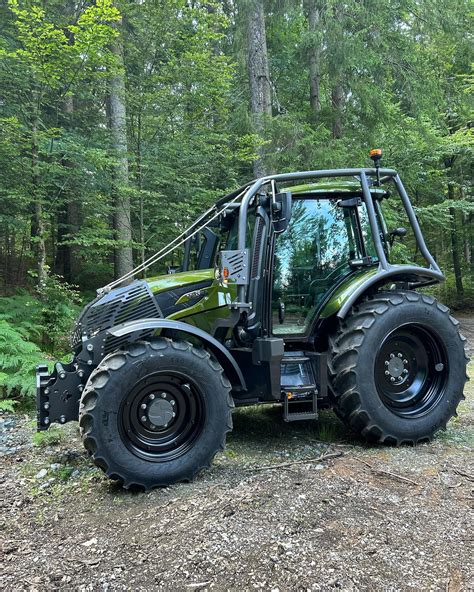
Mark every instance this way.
x=314 y=14
x=259 y=78
x=118 y=130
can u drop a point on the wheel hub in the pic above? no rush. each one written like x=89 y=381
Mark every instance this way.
x=397 y=368
x=160 y=412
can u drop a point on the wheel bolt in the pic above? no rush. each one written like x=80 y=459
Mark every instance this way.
x=174 y=414
x=151 y=397
x=143 y=406
x=143 y=418
x=405 y=371
x=405 y=361
x=392 y=356
x=163 y=395
x=387 y=373
x=386 y=362
x=392 y=379
x=173 y=403
x=400 y=355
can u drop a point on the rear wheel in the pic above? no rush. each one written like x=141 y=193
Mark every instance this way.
x=398 y=368
x=156 y=413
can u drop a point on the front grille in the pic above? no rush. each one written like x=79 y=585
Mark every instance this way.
x=122 y=305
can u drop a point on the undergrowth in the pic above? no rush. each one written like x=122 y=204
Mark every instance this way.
x=33 y=328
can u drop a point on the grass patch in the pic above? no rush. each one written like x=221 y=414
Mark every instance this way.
x=55 y=435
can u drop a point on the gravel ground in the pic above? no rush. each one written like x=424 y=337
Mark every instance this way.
x=272 y=513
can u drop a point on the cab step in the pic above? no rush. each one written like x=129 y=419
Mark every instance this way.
x=299 y=386
x=300 y=406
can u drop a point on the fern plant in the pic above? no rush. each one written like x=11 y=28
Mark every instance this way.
x=46 y=319
x=18 y=360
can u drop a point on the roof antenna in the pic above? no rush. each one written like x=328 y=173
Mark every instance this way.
x=376 y=155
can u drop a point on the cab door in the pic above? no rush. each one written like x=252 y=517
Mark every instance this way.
x=310 y=258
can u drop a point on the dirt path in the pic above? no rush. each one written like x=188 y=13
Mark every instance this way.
x=368 y=519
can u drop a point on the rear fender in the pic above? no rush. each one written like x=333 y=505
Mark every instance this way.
x=135 y=328
x=354 y=289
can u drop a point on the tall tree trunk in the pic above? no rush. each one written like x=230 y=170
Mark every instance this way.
x=336 y=70
x=337 y=100
x=259 y=77
x=455 y=244
x=313 y=8
x=67 y=259
x=118 y=129
x=37 y=223
x=140 y=190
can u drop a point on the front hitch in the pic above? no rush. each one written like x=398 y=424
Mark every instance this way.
x=58 y=394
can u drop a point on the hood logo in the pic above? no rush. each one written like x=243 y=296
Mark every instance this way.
x=192 y=295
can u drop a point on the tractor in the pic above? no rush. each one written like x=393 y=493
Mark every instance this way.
x=287 y=292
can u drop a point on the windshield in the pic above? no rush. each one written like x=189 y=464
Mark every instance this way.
x=313 y=255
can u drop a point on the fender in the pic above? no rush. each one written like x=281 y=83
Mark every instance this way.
x=412 y=274
x=232 y=369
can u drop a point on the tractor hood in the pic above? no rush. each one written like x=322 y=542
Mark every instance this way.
x=174 y=281
x=178 y=292
x=159 y=297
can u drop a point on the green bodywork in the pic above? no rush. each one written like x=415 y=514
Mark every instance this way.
x=345 y=289
x=162 y=283
x=212 y=307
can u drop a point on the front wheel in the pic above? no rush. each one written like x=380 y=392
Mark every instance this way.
x=398 y=368
x=156 y=413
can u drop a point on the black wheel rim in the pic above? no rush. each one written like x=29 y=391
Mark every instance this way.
x=162 y=416
x=411 y=370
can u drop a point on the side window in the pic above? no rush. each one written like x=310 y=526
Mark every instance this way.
x=310 y=257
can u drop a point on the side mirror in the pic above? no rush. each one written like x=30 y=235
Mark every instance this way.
x=396 y=233
x=281 y=211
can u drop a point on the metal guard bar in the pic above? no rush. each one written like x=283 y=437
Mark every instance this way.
x=362 y=174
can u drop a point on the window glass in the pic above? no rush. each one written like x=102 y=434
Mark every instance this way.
x=311 y=256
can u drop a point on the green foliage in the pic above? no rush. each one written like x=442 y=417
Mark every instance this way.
x=60 y=305
x=18 y=360
x=46 y=319
x=54 y=435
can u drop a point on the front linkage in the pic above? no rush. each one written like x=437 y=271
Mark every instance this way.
x=58 y=394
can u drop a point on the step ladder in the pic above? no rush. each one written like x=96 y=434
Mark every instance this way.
x=299 y=391
x=300 y=406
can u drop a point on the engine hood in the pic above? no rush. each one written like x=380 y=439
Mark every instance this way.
x=178 y=293
x=163 y=283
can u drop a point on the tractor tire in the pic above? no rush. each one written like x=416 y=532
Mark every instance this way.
x=155 y=413
x=397 y=368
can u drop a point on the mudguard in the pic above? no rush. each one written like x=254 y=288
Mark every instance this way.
x=227 y=361
x=351 y=290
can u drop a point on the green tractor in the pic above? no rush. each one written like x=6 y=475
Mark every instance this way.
x=287 y=293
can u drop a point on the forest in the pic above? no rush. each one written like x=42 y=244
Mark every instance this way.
x=121 y=121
